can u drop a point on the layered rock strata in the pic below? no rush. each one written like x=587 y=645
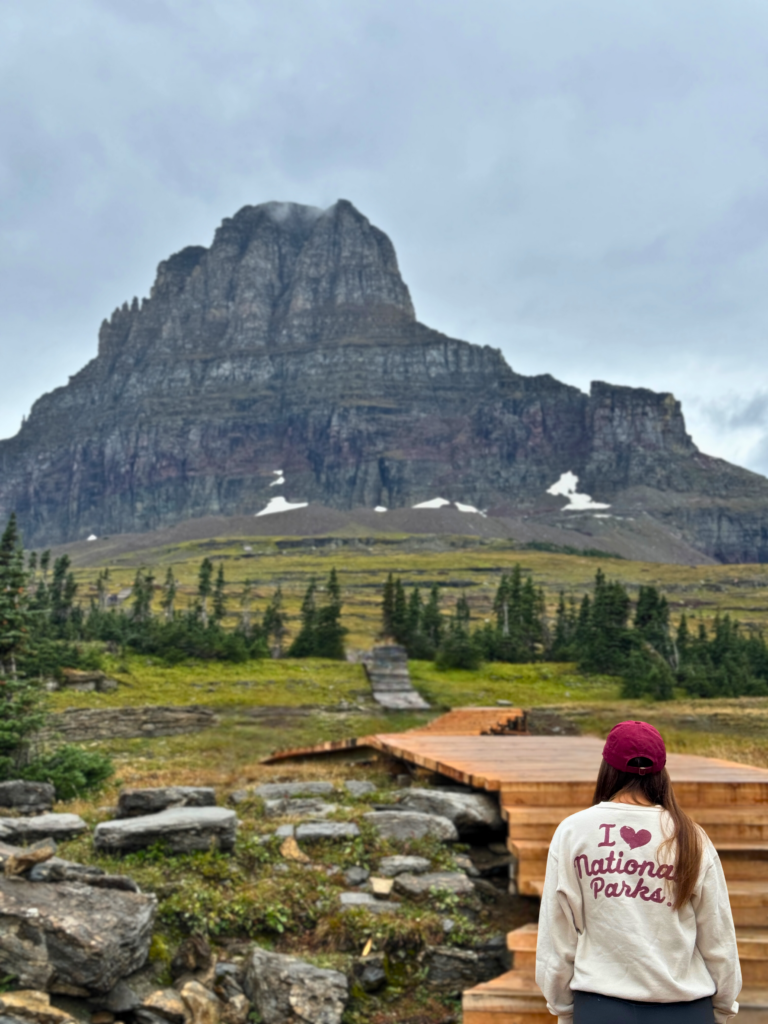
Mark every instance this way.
x=289 y=351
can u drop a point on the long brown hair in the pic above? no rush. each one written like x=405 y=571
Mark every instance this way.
x=656 y=788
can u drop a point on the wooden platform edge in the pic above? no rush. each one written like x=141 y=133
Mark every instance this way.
x=320 y=749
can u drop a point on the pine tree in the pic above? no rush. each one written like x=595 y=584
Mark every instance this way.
x=219 y=596
x=245 y=608
x=21 y=700
x=459 y=649
x=143 y=592
x=413 y=614
x=303 y=645
x=388 y=607
x=204 y=588
x=562 y=637
x=329 y=632
x=399 y=613
x=432 y=622
x=168 y=600
x=62 y=592
x=274 y=623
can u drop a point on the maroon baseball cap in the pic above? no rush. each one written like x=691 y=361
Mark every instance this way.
x=635 y=739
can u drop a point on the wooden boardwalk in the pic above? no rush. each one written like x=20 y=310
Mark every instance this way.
x=542 y=779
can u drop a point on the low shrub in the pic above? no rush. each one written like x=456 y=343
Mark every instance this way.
x=71 y=769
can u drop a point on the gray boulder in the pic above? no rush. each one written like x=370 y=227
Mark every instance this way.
x=420 y=886
x=313 y=832
x=311 y=807
x=359 y=787
x=370 y=973
x=405 y=825
x=276 y=790
x=134 y=803
x=72 y=938
x=286 y=990
x=389 y=867
x=42 y=826
x=456 y=969
x=183 y=829
x=27 y=797
x=58 y=870
x=467 y=811
x=356 y=875
x=364 y=900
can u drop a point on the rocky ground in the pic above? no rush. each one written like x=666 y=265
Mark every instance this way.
x=355 y=898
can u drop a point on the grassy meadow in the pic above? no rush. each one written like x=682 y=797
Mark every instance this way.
x=458 y=565
x=313 y=700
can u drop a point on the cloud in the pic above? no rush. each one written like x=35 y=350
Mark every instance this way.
x=582 y=185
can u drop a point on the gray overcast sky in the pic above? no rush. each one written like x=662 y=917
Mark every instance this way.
x=582 y=183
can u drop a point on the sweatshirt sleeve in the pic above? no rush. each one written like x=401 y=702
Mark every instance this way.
x=716 y=939
x=556 y=944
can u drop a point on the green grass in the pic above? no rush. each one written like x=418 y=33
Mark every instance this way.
x=289 y=683
x=525 y=685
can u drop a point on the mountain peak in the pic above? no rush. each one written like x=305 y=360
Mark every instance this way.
x=291 y=341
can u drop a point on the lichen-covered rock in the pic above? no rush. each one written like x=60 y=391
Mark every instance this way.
x=467 y=811
x=166 y=1003
x=32 y=1007
x=202 y=1006
x=286 y=990
x=182 y=829
x=133 y=803
x=65 y=937
x=405 y=825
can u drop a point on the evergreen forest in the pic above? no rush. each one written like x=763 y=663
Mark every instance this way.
x=605 y=632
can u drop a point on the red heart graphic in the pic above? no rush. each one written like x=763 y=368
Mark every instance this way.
x=634 y=839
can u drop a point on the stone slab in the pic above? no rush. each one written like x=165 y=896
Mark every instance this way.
x=134 y=803
x=407 y=825
x=42 y=826
x=182 y=829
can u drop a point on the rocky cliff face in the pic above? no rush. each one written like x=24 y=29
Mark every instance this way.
x=291 y=344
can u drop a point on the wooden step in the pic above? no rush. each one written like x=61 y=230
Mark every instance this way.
x=752 y=945
x=753 y=997
x=749 y=903
x=531 y=856
x=578 y=794
x=741 y=824
x=744 y=861
x=512 y=998
x=522 y=945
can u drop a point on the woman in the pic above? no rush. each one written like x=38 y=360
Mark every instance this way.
x=635 y=922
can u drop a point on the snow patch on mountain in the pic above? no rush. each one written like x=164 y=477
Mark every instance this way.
x=279 y=504
x=567 y=487
x=432 y=503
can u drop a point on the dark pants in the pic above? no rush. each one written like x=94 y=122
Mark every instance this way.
x=591 y=1008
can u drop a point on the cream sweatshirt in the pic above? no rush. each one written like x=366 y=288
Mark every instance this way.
x=607 y=925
